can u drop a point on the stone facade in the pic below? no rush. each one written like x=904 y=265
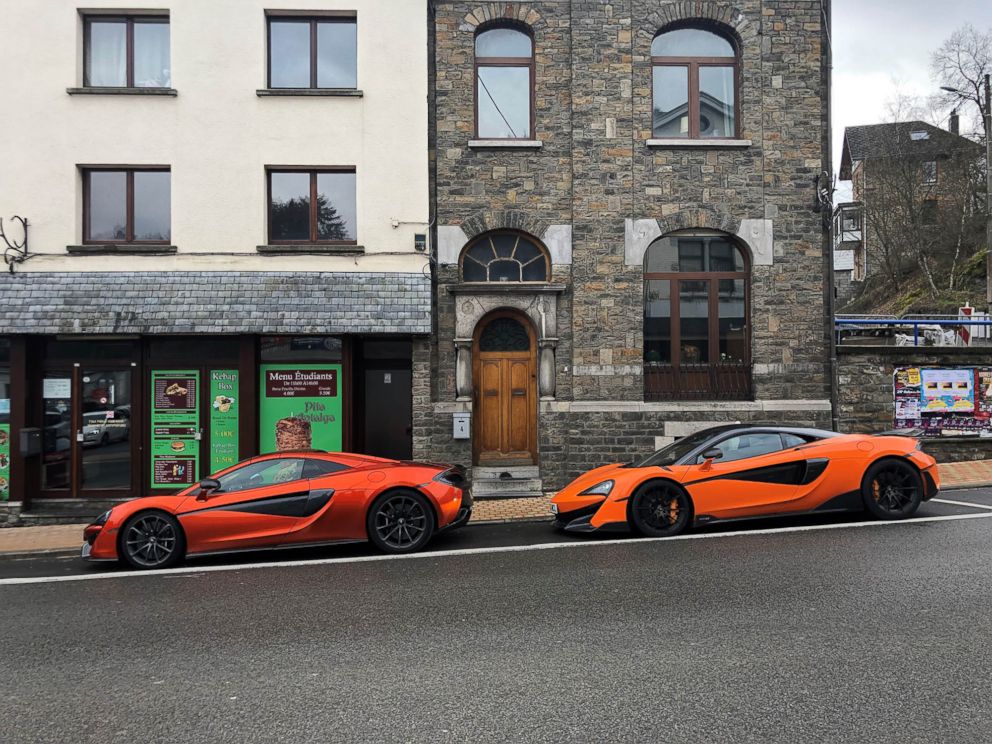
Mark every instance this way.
x=595 y=179
x=865 y=399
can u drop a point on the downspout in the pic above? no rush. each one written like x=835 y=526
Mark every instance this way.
x=831 y=291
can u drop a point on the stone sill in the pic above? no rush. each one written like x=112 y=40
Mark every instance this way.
x=677 y=142
x=95 y=91
x=507 y=144
x=505 y=288
x=310 y=249
x=305 y=92
x=121 y=249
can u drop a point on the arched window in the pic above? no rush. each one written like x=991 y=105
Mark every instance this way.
x=505 y=257
x=504 y=83
x=696 y=310
x=695 y=85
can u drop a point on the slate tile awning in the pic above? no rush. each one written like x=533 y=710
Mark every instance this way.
x=215 y=302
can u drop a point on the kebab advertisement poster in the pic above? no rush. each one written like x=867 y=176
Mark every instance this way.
x=300 y=407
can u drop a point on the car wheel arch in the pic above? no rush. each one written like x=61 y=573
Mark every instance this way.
x=151 y=510
x=668 y=481
x=400 y=489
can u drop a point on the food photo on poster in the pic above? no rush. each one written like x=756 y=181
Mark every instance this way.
x=300 y=407
x=944 y=402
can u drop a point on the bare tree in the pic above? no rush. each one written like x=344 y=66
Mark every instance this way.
x=961 y=63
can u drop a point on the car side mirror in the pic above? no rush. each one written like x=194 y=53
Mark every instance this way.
x=207 y=486
x=709 y=456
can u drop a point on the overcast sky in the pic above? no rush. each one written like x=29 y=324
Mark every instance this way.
x=882 y=45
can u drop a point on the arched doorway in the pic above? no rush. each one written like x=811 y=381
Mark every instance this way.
x=505 y=390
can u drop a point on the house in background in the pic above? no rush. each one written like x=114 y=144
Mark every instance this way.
x=914 y=197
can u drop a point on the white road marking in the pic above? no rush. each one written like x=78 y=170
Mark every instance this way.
x=963 y=503
x=479 y=551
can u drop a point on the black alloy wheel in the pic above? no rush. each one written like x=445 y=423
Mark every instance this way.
x=660 y=509
x=152 y=540
x=400 y=522
x=892 y=489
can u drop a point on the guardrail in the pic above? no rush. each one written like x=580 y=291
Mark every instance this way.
x=982 y=327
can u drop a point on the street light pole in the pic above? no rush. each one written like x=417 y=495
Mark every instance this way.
x=987 y=113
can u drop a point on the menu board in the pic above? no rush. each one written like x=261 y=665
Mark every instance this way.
x=4 y=462
x=223 y=418
x=175 y=448
x=300 y=407
x=944 y=402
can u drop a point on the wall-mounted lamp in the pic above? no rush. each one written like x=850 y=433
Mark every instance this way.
x=15 y=252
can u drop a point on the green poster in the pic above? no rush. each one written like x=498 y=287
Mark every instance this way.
x=300 y=407
x=223 y=418
x=175 y=447
x=4 y=462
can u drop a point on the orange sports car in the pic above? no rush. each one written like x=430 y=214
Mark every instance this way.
x=740 y=472
x=286 y=499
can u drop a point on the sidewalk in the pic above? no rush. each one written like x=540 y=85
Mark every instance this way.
x=70 y=536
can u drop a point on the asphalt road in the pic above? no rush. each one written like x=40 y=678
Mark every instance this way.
x=806 y=630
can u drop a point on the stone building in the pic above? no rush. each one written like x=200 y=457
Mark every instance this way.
x=227 y=231
x=629 y=246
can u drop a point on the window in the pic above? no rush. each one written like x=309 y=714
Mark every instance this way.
x=919 y=136
x=850 y=221
x=793 y=440
x=695 y=85
x=316 y=53
x=505 y=257
x=929 y=212
x=743 y=446
x=126 y=206
x=504 y=74
x=930 y=173
x=319 y=468
x=312 y=206
x=262 y=473
x=696 y=339
x=128 y=52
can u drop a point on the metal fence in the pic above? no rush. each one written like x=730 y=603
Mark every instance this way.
x=722 y=381
x=915 y=330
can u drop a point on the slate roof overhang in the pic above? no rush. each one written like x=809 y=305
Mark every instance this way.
x=215 y=302
x=890 y=140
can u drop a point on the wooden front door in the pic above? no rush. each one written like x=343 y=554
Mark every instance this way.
x=505 y=371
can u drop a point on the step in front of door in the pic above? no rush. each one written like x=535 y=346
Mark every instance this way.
x=515 y=488
x=506 y=472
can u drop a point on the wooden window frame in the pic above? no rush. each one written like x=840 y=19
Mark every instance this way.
x=128 y=21
x=692 y=64
x=527 y=62
x=314 y=21
x=313 y=173
x=520 y=235
x=129 y=172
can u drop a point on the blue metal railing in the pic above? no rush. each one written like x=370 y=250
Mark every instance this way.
x=842 y=323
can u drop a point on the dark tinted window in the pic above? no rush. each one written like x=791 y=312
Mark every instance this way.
x=317 y=468
x=793 y=440
x=675 y=451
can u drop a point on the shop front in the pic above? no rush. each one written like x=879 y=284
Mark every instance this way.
x=117 y=386
x=123 y=417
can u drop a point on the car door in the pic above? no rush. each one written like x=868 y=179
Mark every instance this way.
x=336 y=503
x=256 y=505
x=755 y=475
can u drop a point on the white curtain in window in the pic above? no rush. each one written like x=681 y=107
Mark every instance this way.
x=106 y=64
x=151 y=55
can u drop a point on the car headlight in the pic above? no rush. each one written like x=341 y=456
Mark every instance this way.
x=102 y=519
x=600 y=489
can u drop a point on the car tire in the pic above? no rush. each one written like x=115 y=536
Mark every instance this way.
x=659 y=509
x=151 y=540
x=892 y=489
x=401 y=521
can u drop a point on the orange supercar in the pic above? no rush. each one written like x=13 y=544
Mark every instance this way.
x=740 y=472
x=286 y=499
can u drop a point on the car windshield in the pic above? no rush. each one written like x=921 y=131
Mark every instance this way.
x=675 y=451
